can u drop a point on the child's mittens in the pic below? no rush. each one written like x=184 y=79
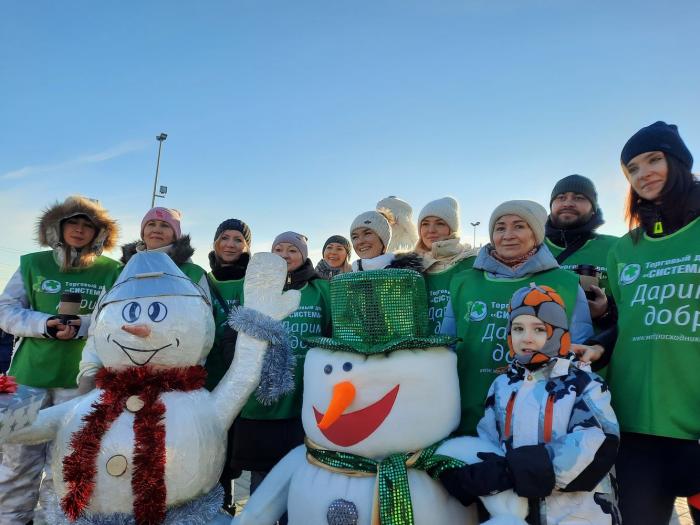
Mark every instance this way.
x=531 y=470
x=489 y=477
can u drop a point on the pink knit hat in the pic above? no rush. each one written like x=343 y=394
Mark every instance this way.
x=171 y=216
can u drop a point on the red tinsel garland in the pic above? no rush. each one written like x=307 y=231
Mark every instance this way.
x=148 y=480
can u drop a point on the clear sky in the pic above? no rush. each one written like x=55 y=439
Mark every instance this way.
x=299 y=115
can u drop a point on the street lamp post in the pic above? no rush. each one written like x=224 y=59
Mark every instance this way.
x=160 y=138
x=474 y=224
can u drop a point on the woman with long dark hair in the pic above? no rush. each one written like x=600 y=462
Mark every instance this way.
x=653 y=373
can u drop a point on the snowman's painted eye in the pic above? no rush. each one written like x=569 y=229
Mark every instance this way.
x=131 y=312
x=157 y=311
x=347 y=366
x=328 y=369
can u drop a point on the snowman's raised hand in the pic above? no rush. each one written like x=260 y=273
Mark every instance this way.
x=262 y=288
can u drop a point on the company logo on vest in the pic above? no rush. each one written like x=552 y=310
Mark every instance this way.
x=630 y=273
x=50 y=286
x=477 y=311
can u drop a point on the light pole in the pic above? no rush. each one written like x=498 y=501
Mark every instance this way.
x=160 y=138
x=474 y=224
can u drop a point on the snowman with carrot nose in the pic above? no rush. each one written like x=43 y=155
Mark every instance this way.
x=147 y=446
x=380 y=398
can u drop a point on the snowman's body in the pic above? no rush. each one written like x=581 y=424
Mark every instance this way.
x=404 y=401
x=431 y=503
x=165 y=326
x=193 y=447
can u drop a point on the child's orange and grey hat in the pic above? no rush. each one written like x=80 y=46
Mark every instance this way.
x=547 y=305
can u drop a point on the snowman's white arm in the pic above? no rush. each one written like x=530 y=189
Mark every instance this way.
x=241 y=378
x=269 y=501
x=262 y=289
x=506 y=507
x=45 y=426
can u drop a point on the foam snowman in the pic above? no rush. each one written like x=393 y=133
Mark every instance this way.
x=380 y=397
x=150 y=442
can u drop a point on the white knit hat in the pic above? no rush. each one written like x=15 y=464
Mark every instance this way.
x=446 y=209
x=376 y=222
x=531 y=212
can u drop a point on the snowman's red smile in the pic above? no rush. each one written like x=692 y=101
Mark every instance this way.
x=351 y=428
x=139 y=356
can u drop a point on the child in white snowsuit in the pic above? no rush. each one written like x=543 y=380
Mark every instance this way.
x=552 y=419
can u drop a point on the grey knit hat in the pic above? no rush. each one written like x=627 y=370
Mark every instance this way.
x=376 y=222
x=294 y=238
x=531 y=212
x=446 y=209
x=576 y=184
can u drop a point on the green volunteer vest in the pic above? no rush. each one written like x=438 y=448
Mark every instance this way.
x=653 y=373
x=311 y=318
x=232 y=293
x=594 y=252
x=438 y=287
x=480 y=306
x=51 y=363
x=193 y=271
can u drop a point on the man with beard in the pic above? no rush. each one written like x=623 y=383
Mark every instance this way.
x=570 y=234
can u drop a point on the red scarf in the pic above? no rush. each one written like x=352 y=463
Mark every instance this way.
x=148 y=480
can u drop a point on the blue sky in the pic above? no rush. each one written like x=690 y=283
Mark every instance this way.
x=300 y=115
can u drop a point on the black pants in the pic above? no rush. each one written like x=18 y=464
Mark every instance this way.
x=652 y=471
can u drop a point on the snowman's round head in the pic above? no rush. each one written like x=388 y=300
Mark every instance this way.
x=154 y=315
x=376 y=405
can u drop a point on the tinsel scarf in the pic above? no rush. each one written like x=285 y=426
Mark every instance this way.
x=148 y=478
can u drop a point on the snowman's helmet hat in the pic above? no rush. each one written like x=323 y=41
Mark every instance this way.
x=151 y=274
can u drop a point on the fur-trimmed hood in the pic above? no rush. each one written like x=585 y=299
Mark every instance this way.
x=179 y=251
x=408 y=261
x=405 y=261
x=48 y=231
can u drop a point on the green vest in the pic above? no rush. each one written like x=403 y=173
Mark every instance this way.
x=653 y=373
x=438 y=287
x=193 y=271
x=311 y=318
x=232 y=293
x=480 y=305
x=594 y=252
x=52 y=363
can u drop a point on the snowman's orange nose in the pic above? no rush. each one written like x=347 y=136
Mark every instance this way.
x=139 y=330
x=343 y=395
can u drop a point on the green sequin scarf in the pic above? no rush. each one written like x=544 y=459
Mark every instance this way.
x=391 y=489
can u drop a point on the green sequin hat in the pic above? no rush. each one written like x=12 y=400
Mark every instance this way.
x=379 y=311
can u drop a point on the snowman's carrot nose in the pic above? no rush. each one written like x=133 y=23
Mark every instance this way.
x=343 y=394
x=139 y=330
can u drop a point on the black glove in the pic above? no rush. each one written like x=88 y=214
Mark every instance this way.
x=52 y=331
x=531 y=470
x=467 y=483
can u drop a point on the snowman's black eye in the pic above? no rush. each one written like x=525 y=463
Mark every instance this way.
x=131 y=312
x=328 y=369
x=347 y=366
x=157 y=311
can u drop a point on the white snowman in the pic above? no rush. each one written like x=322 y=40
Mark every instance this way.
x=147 y=446
x=380 y=397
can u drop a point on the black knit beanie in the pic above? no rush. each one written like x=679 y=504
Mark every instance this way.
x=576 y=184
x=658 y=136
x=234 y=224
x=338 y=239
